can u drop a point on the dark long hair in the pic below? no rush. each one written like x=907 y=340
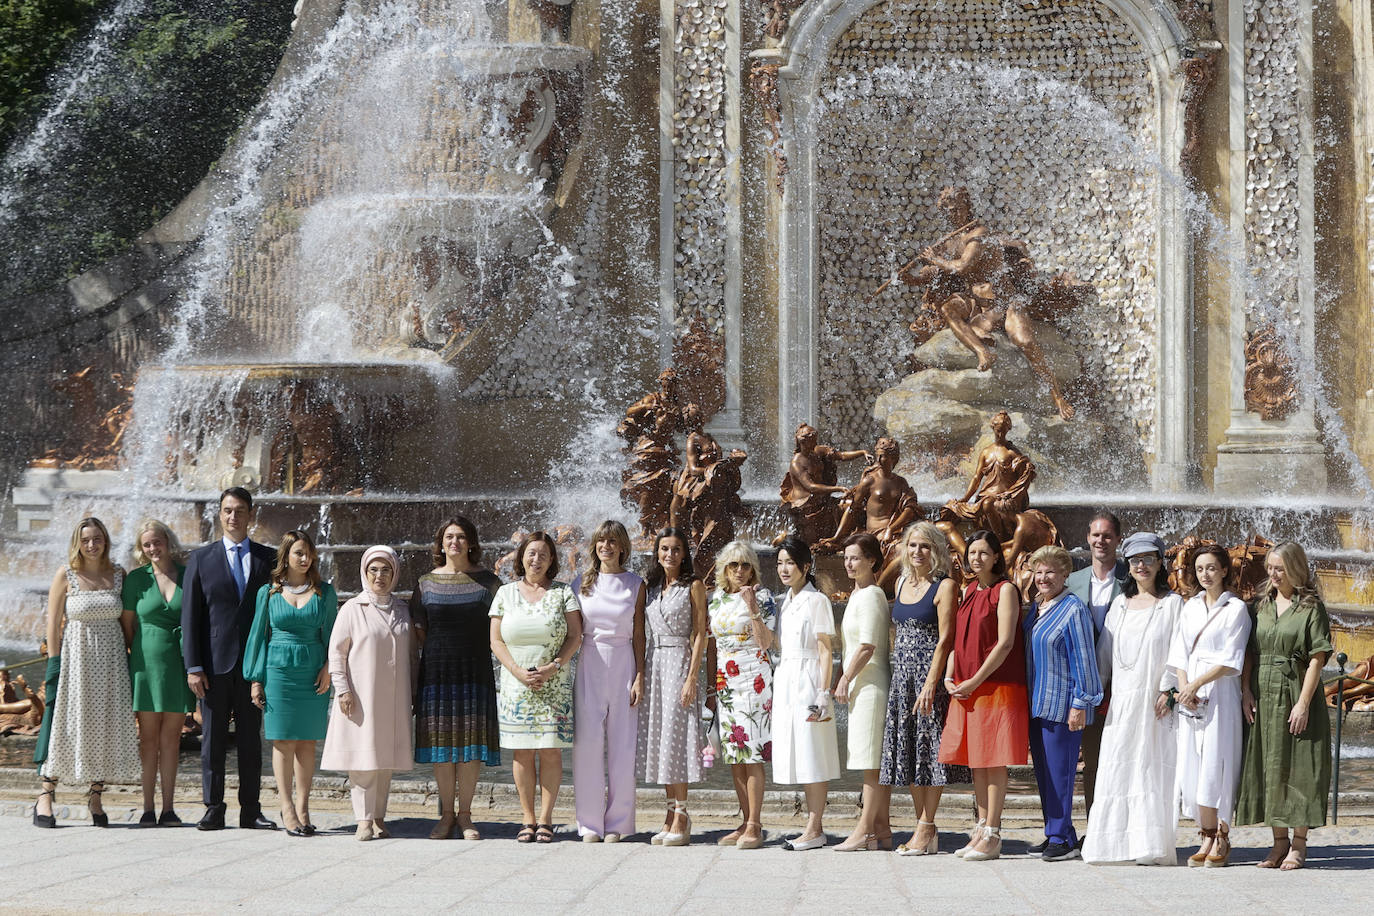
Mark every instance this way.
x=1131 y=588
x=685 y=573
x=800 y=552
x=436 y=553
x=999 y=565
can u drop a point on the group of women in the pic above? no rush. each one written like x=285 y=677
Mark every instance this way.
x=943 y=685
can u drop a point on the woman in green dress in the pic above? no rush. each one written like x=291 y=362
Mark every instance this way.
x=287 y=662
x=1286 y=777
x=152 y=593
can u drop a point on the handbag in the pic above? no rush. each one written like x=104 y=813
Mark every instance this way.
x=710 y=737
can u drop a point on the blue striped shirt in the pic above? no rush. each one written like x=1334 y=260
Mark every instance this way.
x=1061 y=659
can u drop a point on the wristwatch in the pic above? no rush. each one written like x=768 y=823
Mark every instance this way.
x=557 y=664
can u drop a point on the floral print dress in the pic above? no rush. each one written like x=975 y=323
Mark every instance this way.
x=744 y=678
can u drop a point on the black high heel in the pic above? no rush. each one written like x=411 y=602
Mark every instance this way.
x=102 y=819
x=45 y=820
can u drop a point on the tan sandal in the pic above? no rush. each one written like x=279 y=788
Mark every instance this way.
x=1275 y=857
x=1296 y=858
x=1199 y=858
x=469 y=829
x=1219 y=859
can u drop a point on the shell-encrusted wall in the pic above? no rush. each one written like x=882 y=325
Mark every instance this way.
x=1273 y=143
x=1046 y=113
x=701 y=176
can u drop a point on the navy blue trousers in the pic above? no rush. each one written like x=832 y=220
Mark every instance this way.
x=1054 y=752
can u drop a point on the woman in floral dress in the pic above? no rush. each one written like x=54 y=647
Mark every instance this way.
x=536 y=629
x=743 y=616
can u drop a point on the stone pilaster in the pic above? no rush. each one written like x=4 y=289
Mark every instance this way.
x=1272 y=214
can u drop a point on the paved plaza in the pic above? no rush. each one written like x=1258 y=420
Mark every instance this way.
x=79 y=869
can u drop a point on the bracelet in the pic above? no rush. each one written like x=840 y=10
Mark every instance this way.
x=557 y=664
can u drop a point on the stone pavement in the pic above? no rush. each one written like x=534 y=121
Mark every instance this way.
x=80 y=869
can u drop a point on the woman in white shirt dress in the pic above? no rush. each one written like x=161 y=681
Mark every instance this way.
x=1207 y=656
x=805 y=749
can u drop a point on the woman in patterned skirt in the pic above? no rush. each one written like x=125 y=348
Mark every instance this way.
x=917 y=702
x=89 y=736
x=536 y=629
x=670 y=720
x=456 y=728
x=742 y=618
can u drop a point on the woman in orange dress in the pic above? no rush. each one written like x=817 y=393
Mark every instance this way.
x=988 y=726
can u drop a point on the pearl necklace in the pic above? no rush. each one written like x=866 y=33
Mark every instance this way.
x=297 y=589
x=1140 y=647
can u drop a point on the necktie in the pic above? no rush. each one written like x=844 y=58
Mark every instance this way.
x=236 y=568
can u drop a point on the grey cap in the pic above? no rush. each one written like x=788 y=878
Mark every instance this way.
x=1142 y=542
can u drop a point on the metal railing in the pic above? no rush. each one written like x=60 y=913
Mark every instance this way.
x=1339 y=680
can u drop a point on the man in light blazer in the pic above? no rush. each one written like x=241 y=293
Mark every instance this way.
x=219 y=598
x=1097 y=586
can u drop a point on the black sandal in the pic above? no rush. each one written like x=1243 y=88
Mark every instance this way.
x=526 y=834
x=102 y=819
x=45 y=820
x=544 y=834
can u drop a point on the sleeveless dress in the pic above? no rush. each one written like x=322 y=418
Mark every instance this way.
x=155 y=663
x=992 y=727
x=803 y=752
x=669 y=736
x=744 y=677
x=93 y=737
x=911 y=741
x=455 y=718
x=287 y=647
x=866 y=622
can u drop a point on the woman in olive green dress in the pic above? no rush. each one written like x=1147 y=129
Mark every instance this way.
x=1286 y=777
x=287 y=661
x=152 y=592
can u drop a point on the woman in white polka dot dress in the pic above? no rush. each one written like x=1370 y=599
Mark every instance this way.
x=90 y=737
x=670 y=716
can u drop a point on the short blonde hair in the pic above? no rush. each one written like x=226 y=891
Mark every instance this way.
x=1052 y=555
x=75 y=560
x=174 y=548
x=939 y=552
x=737 y=552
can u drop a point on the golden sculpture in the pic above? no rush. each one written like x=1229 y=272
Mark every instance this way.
x=881 y=503
x=810 y=482
x=998 y=499
x=1269 y=387
x=977 y=283
x=648 y=429
x=706 y=494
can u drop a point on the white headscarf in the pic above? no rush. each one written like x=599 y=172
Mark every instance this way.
x=380 y=551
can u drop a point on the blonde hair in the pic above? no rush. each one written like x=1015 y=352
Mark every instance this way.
x=612 y=530
x=1295 y=566
x=75 y=560
x=1052 y=555
x=939 y=549
x=174 y=548
x=737 y=552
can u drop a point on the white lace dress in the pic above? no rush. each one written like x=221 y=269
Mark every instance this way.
x=93 y=737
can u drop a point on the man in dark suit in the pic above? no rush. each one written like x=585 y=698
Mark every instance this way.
x=1097 y=585
x=219 y=597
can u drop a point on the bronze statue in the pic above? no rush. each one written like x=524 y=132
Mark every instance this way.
x=998 y=499
x=810 y=481
x=92 y=438
x=706 y=495
x=21 y=710
x=648 y=427
x=977 y=283
x=1270 y=389
x=1247 y=565
x=881 y=503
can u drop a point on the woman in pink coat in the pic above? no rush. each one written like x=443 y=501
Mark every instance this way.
x=371 y=657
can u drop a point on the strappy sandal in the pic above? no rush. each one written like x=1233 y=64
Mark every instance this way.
x=1296 y=858
x=470 y=831
x=1219 y=860
x=1275 y=857
x=526 y=834
x=543 y=833
x=92 y=795
x=45 y=820
x=1199 y=858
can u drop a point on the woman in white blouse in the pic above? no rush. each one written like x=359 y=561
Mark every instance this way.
x=1207 y=657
